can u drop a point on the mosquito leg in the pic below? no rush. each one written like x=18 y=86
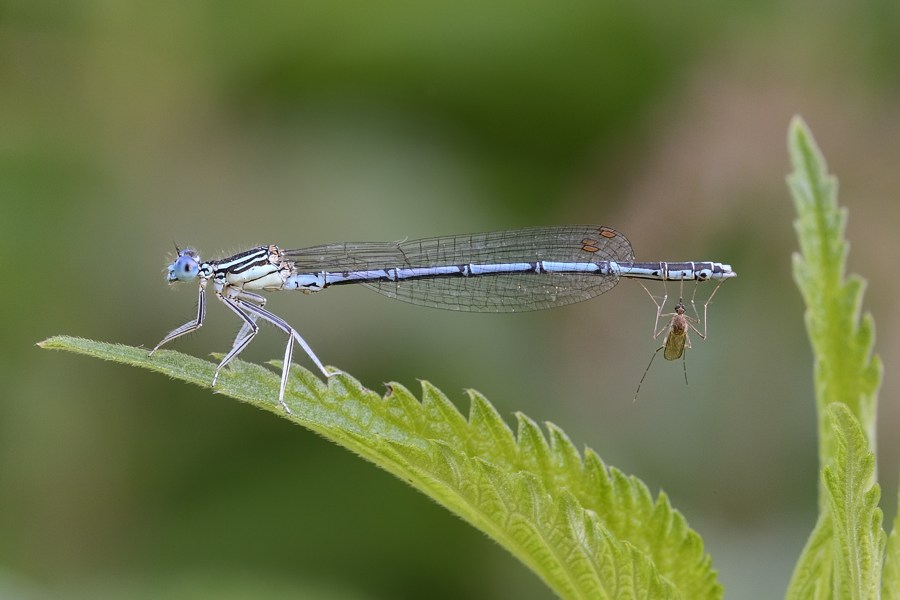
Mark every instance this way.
x=659 y=310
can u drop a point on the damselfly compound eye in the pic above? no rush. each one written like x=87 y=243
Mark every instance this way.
x=185 y=267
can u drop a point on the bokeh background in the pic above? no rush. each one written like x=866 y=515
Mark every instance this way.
x=125 y=126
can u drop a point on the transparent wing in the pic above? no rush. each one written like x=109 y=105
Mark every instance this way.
x=499 y=292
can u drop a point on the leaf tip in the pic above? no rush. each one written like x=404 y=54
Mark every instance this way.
x=62 y=342
x=50 y=343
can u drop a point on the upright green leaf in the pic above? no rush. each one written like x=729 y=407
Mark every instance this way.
x=844 y=368
x=890 y=584
x=842 y=558
x=587 y=530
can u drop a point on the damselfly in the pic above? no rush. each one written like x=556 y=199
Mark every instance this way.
x=505 y=271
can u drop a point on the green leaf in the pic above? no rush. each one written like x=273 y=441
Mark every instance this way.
x=845 y=369
x=890 y=584
x=812 y=575
x=853 y=500
x=842 y=558
x=587 y=530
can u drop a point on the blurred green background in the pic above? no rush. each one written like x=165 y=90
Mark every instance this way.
x=125 y=126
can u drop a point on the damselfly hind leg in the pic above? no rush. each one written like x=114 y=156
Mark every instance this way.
x=249 y=311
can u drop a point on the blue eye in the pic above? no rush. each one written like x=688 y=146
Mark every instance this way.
x=185 y=267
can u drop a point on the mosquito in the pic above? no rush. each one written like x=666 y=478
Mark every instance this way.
x=677 y=338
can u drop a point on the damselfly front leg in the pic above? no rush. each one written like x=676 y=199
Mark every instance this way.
x=190 y=326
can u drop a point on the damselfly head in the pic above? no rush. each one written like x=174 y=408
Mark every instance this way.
x=185 y=267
